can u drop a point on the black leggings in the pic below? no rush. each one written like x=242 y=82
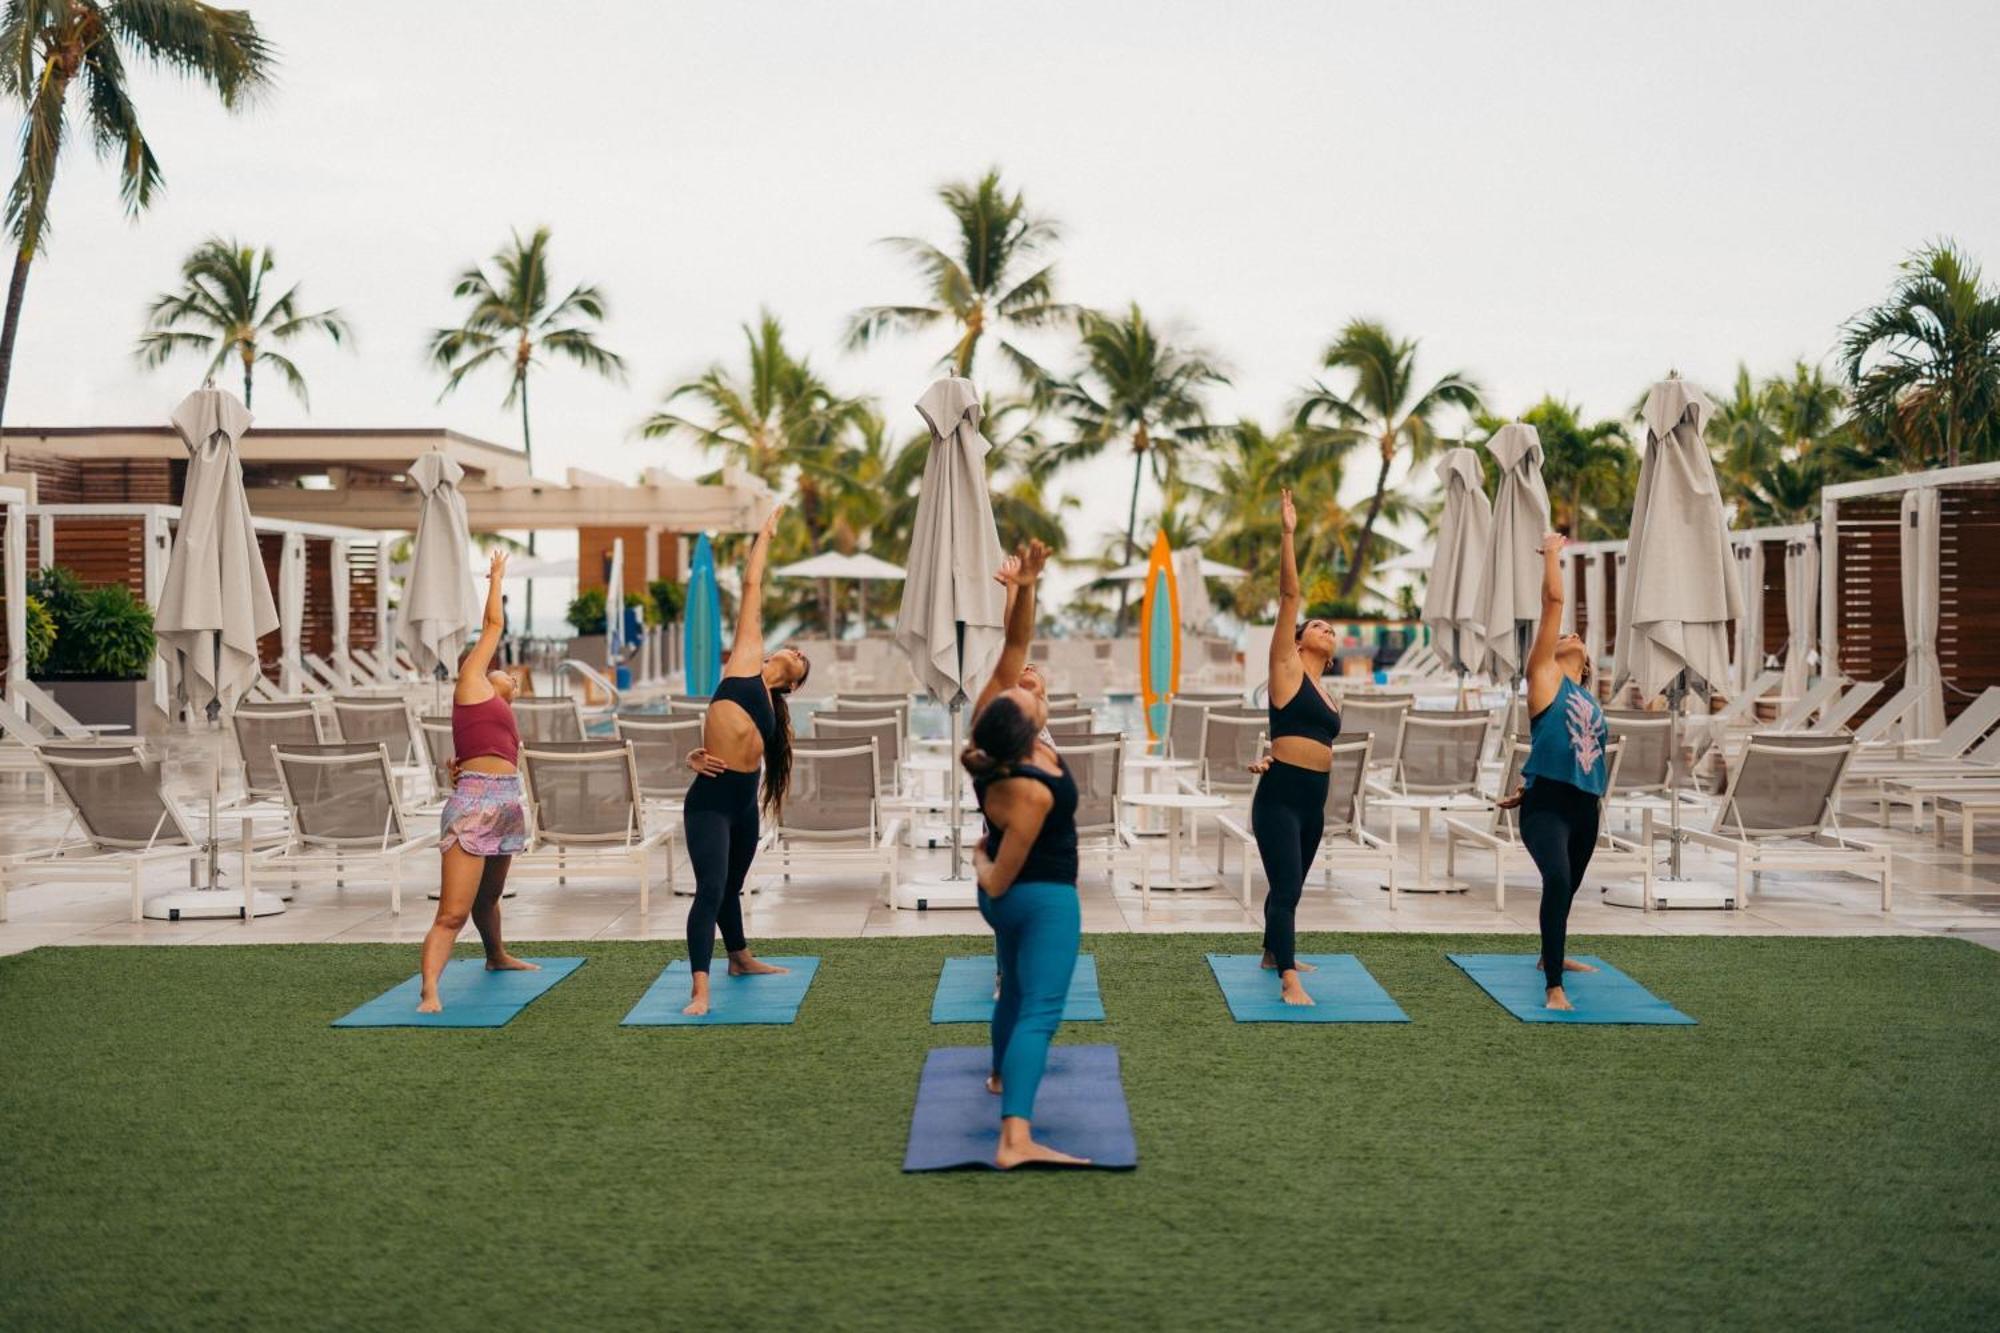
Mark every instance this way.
x=1559 y=829
x=719 y=821
x=1287 y=815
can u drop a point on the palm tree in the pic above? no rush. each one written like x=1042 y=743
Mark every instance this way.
x=512 y=323
x=1789 y=490
x=1382 y=407
x=1805 y=410
x=995 y=275
x=51 y=47
x=1741 y=434
x=1138 y=388
x=767 y=418
x=1924 y=365
x=1019 y=467
x=222 y=298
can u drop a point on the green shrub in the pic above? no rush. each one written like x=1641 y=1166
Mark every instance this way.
x=41 y=635
x=586 y=612
x=102 y=632
x=668 y=600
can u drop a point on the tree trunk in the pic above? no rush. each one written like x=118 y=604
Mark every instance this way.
x=528 y=451
x=248 y=359
x=1131 y=525
x=1367 y=529
x=16 y=289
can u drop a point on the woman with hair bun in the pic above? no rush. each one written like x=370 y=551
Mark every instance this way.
x=1026 y=865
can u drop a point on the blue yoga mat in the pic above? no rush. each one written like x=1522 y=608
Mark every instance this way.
x=1079 y=1108
x=1604 y=996
x=731 y=1000
x=1342 y=991
x=473 y=997
x=965 y=992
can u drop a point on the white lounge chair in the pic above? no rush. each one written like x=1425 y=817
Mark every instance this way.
x=884 y=726
x=1381 y=717
x=1872 y=733
x=1817 y=696
x=1230 y=742
x=1837 y=714
x=1097 y=763
x=832 y=814
x=584 y=807
x=259 y=726
x=1779 y=815
x=660 y=747
x=345 y=816
x=121 y=823
x=59 y=720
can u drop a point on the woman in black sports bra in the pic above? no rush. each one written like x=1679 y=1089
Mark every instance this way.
x=1288 y=812
x=747 y=723
x=1026 y=866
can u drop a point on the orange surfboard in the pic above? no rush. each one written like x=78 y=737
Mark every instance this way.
x=1159 y=640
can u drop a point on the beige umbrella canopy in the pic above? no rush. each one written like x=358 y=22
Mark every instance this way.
x=1451 y=600
x=440 y=605
x=1511 y=596
x=949 y=590
x=216 y=600
x=1680 y=578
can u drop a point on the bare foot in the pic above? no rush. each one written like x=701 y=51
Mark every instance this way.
x=743 y=965
x=1558 y=1000
x=696 y=1007
x=1569 y=965
x=1292 y=991
x=1011 y=1155
x=507 y=962
x=993 y=1084
x=1271 y=965
x=430 y=1004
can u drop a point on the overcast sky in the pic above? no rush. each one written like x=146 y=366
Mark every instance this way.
x=1561 y=198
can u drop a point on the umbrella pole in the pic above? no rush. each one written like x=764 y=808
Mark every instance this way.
x=957 y=788
x=1676 y=699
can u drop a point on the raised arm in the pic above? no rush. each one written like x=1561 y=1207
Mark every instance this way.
x=1286 y=671
x=473 y=686
x=1020 y=812
x=746 y=651
x=1542 y=669
x=1020 y=573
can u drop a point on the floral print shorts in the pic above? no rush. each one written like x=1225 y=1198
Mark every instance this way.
x=484 y=815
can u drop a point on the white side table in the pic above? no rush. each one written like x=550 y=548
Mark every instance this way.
x=1177 y=804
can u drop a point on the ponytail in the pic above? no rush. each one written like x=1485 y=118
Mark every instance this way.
x=778 y=755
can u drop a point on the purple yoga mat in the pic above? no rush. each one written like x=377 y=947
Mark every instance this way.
x=1079 y=1108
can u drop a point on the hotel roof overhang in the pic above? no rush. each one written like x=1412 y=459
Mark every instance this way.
x=356 y=478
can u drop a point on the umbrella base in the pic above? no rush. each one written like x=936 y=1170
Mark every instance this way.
x=1696 y=894
x=209 y=905
x=919 y=895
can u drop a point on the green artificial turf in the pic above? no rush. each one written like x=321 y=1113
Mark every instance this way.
x=185 y=1143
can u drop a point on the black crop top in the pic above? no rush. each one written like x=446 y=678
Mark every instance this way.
x=1052 y=859
x=1307 y=714
x=751 y=695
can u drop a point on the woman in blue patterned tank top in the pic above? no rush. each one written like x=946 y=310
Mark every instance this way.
x=1565 y=776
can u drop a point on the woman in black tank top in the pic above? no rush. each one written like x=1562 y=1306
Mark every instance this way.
x=1026 y=865
x=1288 y=813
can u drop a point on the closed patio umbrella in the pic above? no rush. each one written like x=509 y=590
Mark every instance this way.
x=1196 y=608
x=216 y=601
x=950 y=622
x=1451 y=601
x=1681 y=589
x=1511 y=599
x=1801 y=612
x=440 y=605
x=213 y=607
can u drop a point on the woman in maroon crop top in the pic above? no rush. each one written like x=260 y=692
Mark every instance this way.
x=483 y=823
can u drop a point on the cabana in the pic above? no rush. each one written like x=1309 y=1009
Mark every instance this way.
x=1900 y=597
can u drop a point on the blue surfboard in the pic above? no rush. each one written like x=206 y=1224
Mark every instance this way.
x=702 y=627
x=1159 y=641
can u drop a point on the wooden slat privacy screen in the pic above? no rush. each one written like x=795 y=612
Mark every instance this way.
x=271 y=647
x=1968 y=593
x=96 y=550
x=361 y=576
x=1868 y=588
x=316 y=634
x=1777 y=632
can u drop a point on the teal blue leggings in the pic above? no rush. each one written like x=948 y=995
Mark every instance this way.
x=1036 y=930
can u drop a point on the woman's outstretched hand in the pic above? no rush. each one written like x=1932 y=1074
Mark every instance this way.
x=703 y=761
x=1286 y=513
x=770 y=527
x=496 y=566
x=1552 y=541
x=1261 y=764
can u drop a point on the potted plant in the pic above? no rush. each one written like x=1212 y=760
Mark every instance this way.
x=586 y=616
x=103 y=647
